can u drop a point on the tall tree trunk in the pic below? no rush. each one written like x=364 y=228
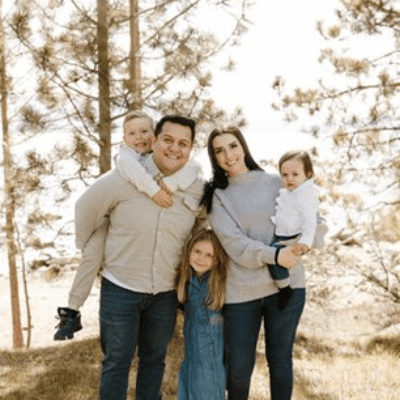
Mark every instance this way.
x=104 y=87
x=9 y=196
x=134 y=59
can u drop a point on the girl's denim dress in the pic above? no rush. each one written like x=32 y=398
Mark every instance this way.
x=202 y=374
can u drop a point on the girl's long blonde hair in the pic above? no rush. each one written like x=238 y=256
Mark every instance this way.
x=218 y=273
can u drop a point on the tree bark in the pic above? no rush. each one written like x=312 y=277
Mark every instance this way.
x=9 y=197
x=104 y=87
x=134 y=56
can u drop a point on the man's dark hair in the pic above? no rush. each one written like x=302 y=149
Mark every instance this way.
x=176 y=119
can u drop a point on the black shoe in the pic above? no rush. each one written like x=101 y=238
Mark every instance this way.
x=70 y=322
x=284 y=296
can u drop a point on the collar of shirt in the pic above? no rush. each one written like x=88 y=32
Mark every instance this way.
x=305 y=186
x=151 y=167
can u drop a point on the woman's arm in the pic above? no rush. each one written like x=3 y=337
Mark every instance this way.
x=246 y=252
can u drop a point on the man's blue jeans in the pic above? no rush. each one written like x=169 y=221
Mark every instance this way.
x=129 y=319
x=242 y=326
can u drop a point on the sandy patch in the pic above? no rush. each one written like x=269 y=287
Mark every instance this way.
x=45 y=294
x=348 y=314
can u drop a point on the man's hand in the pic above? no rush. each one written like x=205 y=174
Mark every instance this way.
x=287 y=257
x=163 y=199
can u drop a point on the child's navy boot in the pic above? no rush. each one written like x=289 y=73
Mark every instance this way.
x=70 y=322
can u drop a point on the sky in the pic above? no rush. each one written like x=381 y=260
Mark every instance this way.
x=283 y=41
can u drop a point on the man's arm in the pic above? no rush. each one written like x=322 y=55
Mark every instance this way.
x=94 y=204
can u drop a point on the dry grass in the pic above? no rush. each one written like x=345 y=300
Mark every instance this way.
x=70 y=371
x=330 y=371
x=369 y=377
x=60 y=372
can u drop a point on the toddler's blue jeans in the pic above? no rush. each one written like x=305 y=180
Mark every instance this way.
x=277 y=272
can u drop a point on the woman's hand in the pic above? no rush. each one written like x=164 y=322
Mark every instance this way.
x=287 y=257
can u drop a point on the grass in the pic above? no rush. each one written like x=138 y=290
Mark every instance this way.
x=70 y=371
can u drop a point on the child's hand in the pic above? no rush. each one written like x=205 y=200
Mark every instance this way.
x=287 y=258
x=300 y=249
x=165 y=187
x=163 y=199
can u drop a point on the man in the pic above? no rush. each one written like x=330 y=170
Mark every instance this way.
x=143 y=246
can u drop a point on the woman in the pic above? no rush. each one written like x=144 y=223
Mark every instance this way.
x=240 y=200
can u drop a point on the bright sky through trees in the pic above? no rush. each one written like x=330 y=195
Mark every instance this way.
x=283 y=41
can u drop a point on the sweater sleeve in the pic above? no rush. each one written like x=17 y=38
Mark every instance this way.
x=129 y=167
x=95 y=204
x=243 y=250
x=183 y=178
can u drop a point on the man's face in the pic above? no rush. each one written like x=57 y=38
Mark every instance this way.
x=172 y=147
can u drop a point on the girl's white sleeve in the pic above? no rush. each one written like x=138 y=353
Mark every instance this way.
x=183 y=178
x=307 y=204
x=129 y=167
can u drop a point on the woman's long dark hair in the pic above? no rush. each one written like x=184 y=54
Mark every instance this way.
x=220 y=177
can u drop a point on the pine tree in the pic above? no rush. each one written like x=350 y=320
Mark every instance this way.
x=355 y=115
x=356 y=112
x=9 y=203
x=162 y=65
x=78 y=66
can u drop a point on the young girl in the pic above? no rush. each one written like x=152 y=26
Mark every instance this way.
x=200 y=285
x=296 y=214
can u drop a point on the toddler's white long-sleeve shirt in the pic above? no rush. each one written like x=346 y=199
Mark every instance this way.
x=296 y=212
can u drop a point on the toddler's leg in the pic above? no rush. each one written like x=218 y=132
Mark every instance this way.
x=281 y=277
x=92 y=259
x=91 y=262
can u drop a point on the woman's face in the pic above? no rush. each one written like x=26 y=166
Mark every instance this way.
x=229 y=154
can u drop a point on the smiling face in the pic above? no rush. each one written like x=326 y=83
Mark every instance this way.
x=172 y=147
x=292 y=173
x=139 y=135
x=201 y=257
x=229 y=154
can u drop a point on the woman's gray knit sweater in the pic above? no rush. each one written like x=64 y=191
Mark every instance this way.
x=241 y=218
